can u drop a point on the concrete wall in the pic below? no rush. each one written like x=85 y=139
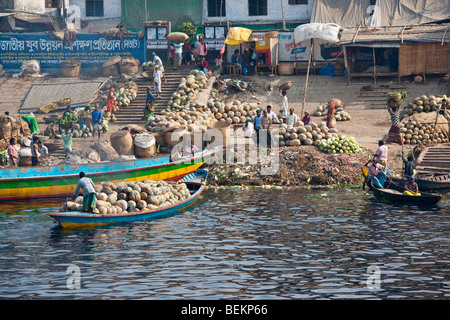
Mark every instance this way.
x=35 y=6
x=237 y=11
x=111 y=9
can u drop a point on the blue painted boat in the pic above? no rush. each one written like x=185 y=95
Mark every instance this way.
x=195 y=182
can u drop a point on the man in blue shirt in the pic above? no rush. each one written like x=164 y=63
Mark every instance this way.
x=257 y=124
x=97 y=121
x=236 y=60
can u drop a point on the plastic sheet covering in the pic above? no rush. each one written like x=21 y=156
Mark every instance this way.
x=350 y=13
x=325 y=31
x=175 y=11
x=237 y=35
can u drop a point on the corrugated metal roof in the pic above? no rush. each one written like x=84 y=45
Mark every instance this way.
x=426 y=33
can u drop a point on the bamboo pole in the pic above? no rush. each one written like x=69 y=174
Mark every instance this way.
x=307 y=77
x=282 y=13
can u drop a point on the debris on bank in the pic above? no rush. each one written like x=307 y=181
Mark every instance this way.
x=297 y=166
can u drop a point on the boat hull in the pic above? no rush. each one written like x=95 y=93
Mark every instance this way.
x=387 y=194
x=78 y=219
x=61 y=181
x=433 y=183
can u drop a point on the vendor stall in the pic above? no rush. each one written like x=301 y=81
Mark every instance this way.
x=396 y=51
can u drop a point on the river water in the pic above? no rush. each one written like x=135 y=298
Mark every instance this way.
x=235 y=244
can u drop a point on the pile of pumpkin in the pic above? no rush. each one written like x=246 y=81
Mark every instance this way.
x=190 y=118
x=424 y=104
x=237 y=112
x=415 y=132
x=310 y=134
x=187 y=91
x=340 y=114
x=132 y=196
x=124 y=93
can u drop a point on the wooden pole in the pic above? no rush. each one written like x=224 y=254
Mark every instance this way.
x=282 y=13
x=307 y=77
x=374 y=67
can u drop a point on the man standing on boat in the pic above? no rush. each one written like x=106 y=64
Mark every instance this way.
x=88 y=187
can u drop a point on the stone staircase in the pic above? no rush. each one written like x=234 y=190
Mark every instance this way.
x=435 y=159
x=374 y=96
x=134 y=113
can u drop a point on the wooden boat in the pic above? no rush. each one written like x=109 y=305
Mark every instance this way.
x=79 y=219
x=395 y=193
x=430 y=181
x=60 y=180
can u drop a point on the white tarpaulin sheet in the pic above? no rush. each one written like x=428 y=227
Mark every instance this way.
x=355 y=13
x=324 y=31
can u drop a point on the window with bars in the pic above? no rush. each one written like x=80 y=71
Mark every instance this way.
x=216 y=8
x=94 y=8
x=298 y=2
x=257 y=7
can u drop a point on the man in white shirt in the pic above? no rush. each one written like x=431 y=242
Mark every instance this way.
x=382 y=154
x=157 y=61
x=158 y=76
x=178 y=54
x=284 y=106
x=291 y=118
x=271 y=114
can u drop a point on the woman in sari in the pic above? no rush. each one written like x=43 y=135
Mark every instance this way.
x=110 y=107
x=149 y=105
x=394 y=133
x=331 y=121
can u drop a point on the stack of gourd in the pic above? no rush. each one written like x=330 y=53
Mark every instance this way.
x=124 y=93
x=187 y=91
x=339 y=114
x=310 y=134
x=424 y=104
x=414 y=132
x=79 y=132
x=237 y=112
x=191 y=119
x=133 y=196
x=148 y=65
x=340 y=144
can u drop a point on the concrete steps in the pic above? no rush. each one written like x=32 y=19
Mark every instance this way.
x=435 y=159
x=134 y=113
x=374 y=96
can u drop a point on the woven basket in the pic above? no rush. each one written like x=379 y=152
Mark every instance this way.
x=286 y=86
x=271 y=34
x=112 y=70
x=128 y=68
x=71 y=70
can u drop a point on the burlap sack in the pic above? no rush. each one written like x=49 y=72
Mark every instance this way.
x=122 y=142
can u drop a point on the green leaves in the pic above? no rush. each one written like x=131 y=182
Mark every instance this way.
x=187 y=27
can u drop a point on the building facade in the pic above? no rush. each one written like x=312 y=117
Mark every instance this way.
x=257 y=11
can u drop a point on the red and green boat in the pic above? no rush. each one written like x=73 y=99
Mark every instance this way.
x=61 y=180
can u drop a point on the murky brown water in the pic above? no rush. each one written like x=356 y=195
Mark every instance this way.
x=235 y=244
